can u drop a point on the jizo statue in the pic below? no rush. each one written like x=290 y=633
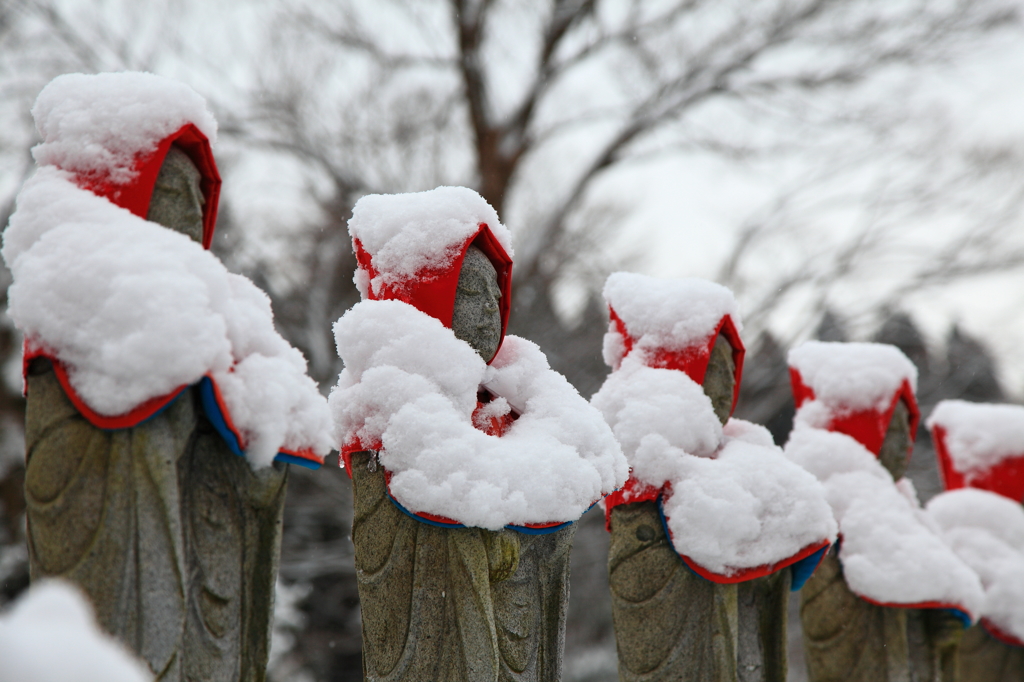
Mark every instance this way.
x=981 y=507
x=853 y=628
x=173 y=536
x=445 y=595
x=719 y=612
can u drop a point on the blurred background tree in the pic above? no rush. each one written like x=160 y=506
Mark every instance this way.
x=570 y=117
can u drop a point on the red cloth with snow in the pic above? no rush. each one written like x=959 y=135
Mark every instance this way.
x=660 y=341
x=980 y=447
x=846 y=395
x=97 y=132
x=410 y=249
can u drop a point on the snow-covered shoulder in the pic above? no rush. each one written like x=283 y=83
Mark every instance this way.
x=852 y=376
x=891 y=553
x=406 y=234
x=670 y=314
x=96 y=124
x=134 y=310
x=50 y=635
x=656 y=414
x=979 y=435
x=410 y=388
x=747 y=507
x=986 y=530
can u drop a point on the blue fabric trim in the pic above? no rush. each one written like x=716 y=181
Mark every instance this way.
x=208 y=400
x=964 y=619
x=526 y=530
x=299 y=461
x=804 y=569
x=668 y=536
x=429 y=522
x=213 y=413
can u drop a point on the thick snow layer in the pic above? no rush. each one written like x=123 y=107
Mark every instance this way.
x=852 y=376
x=986 y=530
x=50 y=635
x=979 y=436
x=891 y=552
x=406 y=234
x=670 y=314
x=135 y=310
x=410 y=385
x=98 y=124
x=655 y=414
x=736 y=501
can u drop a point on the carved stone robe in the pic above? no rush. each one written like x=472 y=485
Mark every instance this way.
x=173 y=537
x=670 y=624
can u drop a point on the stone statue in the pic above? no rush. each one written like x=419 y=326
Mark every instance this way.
x=426 y=592
x=699 y=587
x=848 y=638
x=173 y=536
x=503 y=594
x=992 y=489
x=670 y=623
x=472 y=583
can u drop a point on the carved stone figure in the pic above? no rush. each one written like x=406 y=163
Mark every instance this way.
x=846 y=636
x=172 y=535
x=441 y=599
x=694 y=597
x=428 y=608
x=670 y=623
x=982 y=504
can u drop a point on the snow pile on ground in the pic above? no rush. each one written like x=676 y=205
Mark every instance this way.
x=410 y=387
x=890 y=552
x=100 y=136
x=407 y=234
x=736 y=502
x=135 y=310
x=664 y=314
x=979 y=436
x=987 y=531
x=50 y=635
x=852 y=376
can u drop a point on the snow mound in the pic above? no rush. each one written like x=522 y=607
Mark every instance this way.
x=408 y=234
x=135 y=310
x=49 y=635
x=986 y=530
x=979 y=436
x=669 y=314
x=736 y=502
x=409 y=388
x=852 y=376
x=96 y=125
x=891 y=552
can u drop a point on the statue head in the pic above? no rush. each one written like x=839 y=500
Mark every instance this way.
x=720 y=379
x=177 y=200
x=476 y=318
x=895 y=451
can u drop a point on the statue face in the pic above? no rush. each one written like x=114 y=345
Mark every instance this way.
x=476 y=318
x=177 y=201
x=720 y=379
x=895 y=451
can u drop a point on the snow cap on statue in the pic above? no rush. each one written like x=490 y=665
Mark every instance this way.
x=671 y=323
x=112 y=131
x=853 y=388
x=980 y=446
x=410 y=247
